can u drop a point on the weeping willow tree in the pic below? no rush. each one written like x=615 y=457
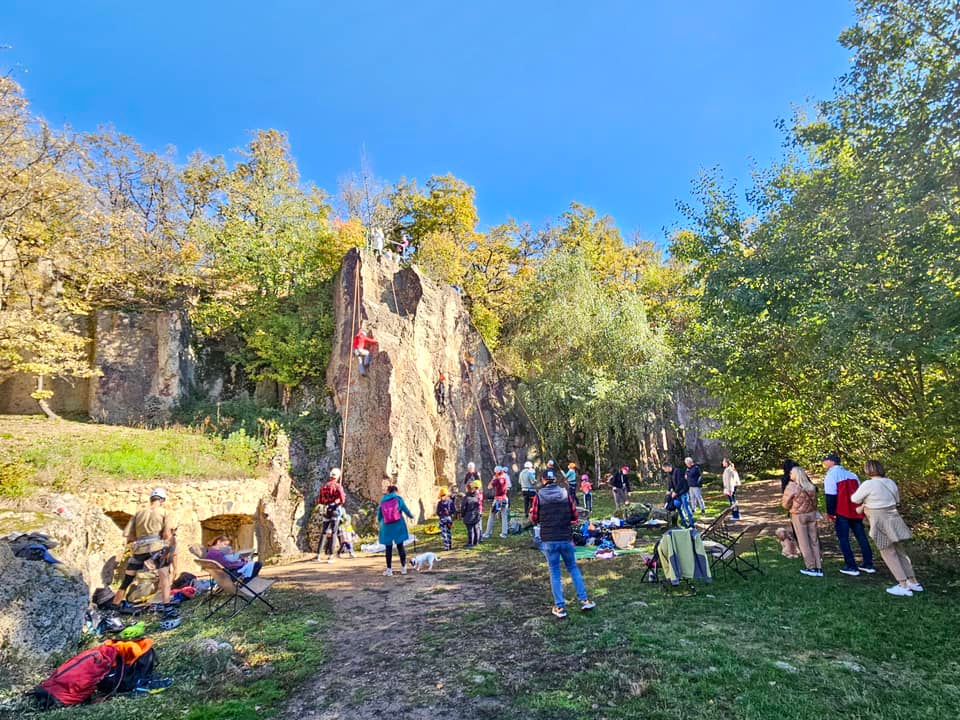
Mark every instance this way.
x=589 y=361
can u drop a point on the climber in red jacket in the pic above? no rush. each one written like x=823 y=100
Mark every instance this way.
x=364 y=346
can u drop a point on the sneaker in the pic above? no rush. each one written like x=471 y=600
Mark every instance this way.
x=504 y=537
x=403 y=570
x=811 y=573
x=900 y=591
x=319 y=558
x=559 y=612
x=329 y=561
x=868 y=570
x=916 y=587
x=388 y=572
x=587 y=605
x=352 y=555
x=850 y=571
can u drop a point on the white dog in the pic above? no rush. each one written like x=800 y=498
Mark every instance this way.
x=427 y=558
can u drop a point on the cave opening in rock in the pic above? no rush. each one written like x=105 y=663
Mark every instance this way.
x=241 y=529
x=119 y=517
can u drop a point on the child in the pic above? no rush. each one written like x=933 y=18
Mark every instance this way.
x=346 y=535
x=471 y=510
x=586 y=487
x=446 y=511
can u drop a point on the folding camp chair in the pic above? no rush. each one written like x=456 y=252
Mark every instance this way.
x=718 y=523
x=239 y=591
x=736 y=551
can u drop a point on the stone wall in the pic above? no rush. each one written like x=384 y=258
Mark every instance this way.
x=146 y=363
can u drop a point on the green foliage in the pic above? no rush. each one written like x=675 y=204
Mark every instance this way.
x=15 y=480
x=830 y=319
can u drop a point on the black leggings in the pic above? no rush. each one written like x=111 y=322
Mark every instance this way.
x=473 y=534
x=401 y=552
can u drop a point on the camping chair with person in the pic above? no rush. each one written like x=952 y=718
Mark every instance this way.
x=237 y=590
x=736 y=550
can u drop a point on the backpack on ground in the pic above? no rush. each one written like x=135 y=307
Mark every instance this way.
x=391 y=511
x=76 y=680
x=183 y=580
x=130 y=668
x=103 y=597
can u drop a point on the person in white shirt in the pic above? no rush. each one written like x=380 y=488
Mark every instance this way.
x=878 y=498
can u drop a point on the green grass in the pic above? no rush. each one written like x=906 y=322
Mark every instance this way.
x=65 y=454
x=274 y=655
x=844 y=647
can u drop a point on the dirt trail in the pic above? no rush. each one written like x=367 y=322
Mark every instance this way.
x=394 y=646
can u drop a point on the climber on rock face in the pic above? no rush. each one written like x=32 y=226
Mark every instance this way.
x=440 y=392
x=364 y=346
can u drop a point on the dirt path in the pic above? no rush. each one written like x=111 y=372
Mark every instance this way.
x=395 y=643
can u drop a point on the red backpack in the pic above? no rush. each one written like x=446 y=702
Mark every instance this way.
x=76 y=680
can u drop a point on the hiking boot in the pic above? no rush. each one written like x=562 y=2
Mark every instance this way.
x=853 y=572
x=388 y=572
x=900 y=591
x=811 y=573
x=868 y=570
x=587 y=605
x=560 y=612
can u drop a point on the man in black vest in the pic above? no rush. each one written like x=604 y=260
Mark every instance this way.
x=555 y=512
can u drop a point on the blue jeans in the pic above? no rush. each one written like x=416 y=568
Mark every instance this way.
x=686 y=512
x=555 y=552
x=843 y=527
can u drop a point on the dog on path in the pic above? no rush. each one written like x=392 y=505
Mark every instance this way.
x=422 y=560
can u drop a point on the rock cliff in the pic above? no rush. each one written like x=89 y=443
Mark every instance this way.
x=391 y=422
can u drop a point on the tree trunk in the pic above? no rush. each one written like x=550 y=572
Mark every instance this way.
x=42 y=400
x=596 y=458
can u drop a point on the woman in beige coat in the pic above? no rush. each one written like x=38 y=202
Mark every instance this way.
x=878 y=497
x=800 y=498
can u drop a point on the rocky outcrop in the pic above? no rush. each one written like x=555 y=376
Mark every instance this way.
x=391 y=423
x=41 y=612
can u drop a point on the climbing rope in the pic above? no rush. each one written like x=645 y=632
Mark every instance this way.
x=353 y=334
x=483 y=422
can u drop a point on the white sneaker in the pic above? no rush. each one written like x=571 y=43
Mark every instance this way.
x=388 y=572
x=868 y=570
x=916 y=587
x=403 y=570
x=329 y=561
x=900 y=591
x=504 y=537
x=811 y=573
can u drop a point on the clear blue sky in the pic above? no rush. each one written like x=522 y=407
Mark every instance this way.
x=615 y=104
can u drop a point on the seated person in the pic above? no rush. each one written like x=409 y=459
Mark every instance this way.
x=240 y=567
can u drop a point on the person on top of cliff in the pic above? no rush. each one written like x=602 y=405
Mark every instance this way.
x=440 y=392
x=149 y=532
x=364 y=345
x=331 y=498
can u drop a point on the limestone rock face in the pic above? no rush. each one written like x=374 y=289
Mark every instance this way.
x=41 y=612
x=391 y=422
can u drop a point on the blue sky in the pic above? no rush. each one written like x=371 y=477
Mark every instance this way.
x=618 y=105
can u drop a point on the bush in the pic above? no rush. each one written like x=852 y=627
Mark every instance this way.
x=15 y=480
x=242 y=449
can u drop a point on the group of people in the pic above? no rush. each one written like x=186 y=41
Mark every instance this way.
x=685 y=489
x=848 y=501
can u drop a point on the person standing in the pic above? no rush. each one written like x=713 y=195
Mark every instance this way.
x=679 y=493
x=570 y=477
x=393 y=527
x=446 y=511
x=500 y=486
x=148 y=532
x=839 y=485
x=471 y=475
x=528 y=486
x=800 y=500
x=788 y=465
x=586 y=487
x=331 y=498
x=620 y=482
x=471 y=512
x=731 y=481
x=555 y=512
x=879 y=497
x=695 y=482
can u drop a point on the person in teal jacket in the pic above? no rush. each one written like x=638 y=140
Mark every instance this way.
x=393 y=528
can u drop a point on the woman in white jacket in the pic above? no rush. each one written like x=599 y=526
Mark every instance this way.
x=878 y=497
x=731 y=481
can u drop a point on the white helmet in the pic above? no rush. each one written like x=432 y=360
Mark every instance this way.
x=335 y=473
x=471 y=466
x=158 y=493
x=528 y=465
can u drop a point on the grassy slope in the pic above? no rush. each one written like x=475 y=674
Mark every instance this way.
x=857 y=652
x=67 y=455
x=274 y=655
